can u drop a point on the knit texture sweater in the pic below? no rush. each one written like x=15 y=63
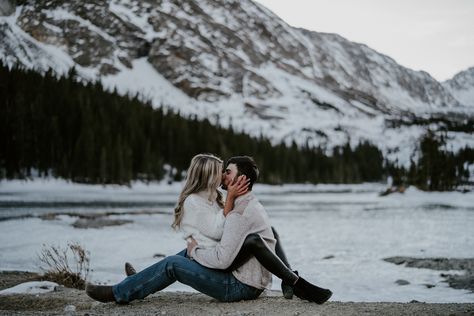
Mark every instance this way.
x=247 y=217
x=202 y=219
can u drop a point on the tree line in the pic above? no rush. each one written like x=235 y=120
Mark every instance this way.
x=55 y=126
x=436 y=169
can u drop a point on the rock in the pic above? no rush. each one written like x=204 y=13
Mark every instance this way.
x=70 y=310
x=99 y=222
x=399 y=189
x=49 y=217
x=396 y=260
x=456 y=281
x=402 y=282
x=329 y=257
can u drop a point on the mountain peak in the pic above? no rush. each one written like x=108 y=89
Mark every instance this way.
x=234 y=61
x=461 y=86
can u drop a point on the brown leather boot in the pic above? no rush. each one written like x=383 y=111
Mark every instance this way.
x=101 y=293
x=129 y=269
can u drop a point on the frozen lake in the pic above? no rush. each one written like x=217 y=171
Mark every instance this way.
x=335 y=235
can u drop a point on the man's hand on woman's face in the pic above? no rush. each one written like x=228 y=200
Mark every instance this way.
x=239 y=186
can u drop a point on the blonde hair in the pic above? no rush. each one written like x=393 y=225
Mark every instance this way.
x=204 y=173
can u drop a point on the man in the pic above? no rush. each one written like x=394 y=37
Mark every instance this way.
x=209 y=270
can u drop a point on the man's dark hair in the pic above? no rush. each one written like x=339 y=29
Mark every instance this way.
x=247 y=166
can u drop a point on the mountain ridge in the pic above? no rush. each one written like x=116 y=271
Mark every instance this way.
x=238 y=64
x=461 y=86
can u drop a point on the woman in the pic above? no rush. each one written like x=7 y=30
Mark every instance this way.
x=200 y=214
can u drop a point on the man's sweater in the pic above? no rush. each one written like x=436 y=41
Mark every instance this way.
x=247 y=217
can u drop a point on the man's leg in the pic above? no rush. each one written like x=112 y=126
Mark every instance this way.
x=215 y=283
x=254 y=245
x=286 y=288
x=279 y=249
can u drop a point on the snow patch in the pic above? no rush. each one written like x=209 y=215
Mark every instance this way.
x=35 y=287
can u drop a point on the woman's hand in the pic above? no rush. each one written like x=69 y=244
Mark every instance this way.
x=192 y=243
x=239 y=187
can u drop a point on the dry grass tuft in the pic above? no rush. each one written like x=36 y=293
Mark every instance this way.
x=68 y=266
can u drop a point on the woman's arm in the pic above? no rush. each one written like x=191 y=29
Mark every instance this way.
x=234 y=190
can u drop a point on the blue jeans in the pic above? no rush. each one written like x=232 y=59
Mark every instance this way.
x=218 y=284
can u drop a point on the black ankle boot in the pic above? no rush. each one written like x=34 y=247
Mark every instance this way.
x=101 y=293
x=287 y=288
x=307 y=291
x=129 y=269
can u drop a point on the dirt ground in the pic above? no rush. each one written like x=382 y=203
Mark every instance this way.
x=65 y=301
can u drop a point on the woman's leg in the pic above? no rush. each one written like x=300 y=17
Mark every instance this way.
x=130 y=270
x=218 y=284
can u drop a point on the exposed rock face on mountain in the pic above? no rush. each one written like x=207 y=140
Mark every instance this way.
x=6 y=7
x=235 y=62
x=461 y=86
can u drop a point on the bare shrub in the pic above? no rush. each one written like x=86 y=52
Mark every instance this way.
x=68 y=266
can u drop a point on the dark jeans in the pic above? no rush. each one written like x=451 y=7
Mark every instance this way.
x=219 y=284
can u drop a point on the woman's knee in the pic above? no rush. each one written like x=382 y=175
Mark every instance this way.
x=173 y=262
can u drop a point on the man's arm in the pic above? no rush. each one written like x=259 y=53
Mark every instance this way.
x=221 y=256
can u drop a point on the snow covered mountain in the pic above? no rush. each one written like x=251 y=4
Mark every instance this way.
x=461 y=86
x=236 y=62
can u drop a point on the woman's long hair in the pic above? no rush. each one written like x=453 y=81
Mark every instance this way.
x=204 y=174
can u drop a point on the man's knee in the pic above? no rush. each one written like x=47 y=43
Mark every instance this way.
x=254 y=241
x=275 y=233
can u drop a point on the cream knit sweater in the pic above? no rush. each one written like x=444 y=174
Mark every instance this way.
x=202 y=219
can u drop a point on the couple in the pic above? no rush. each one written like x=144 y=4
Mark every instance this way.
x=232 y=249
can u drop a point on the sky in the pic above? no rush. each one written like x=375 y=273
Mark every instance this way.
x=436 y=36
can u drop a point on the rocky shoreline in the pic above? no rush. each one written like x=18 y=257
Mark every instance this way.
x=463 y=281
x=66 y=301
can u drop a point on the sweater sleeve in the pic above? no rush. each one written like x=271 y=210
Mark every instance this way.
x=200 y=216
x=236 y=228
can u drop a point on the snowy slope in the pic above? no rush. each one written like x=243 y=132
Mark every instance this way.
x=461 y=86
x=235 y=62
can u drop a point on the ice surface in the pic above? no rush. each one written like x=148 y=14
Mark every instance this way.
x=350 y=222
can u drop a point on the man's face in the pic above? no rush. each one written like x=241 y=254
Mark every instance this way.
x=229 y=175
